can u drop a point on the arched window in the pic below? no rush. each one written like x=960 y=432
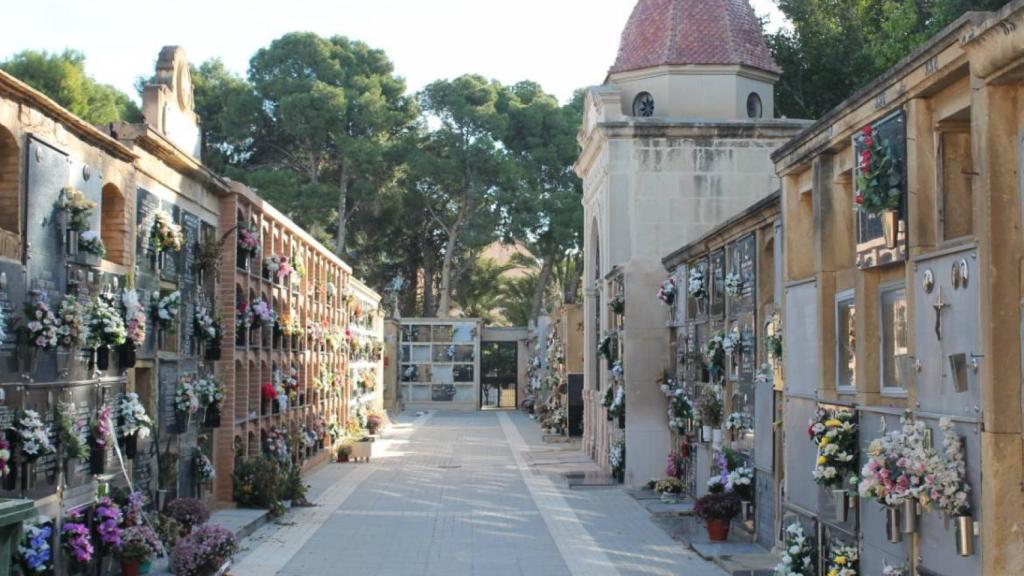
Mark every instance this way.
x=754 y=107
x=10 y=197
x=643 y=105
x=114 y=228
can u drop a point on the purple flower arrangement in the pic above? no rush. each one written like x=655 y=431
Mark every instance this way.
x=34 y=552
x=107 y=518
x=77 y=541
x=204 y=551
x=103 y=426
x=139 y=544
x=189 y=512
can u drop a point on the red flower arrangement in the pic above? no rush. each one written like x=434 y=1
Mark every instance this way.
x=268 y=391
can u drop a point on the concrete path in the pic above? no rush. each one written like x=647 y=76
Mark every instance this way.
x=453 y=494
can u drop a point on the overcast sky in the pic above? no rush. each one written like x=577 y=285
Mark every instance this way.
x=563 y=44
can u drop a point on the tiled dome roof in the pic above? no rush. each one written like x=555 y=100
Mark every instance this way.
x=661 y=32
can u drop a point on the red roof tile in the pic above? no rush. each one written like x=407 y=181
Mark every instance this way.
x=663 y=32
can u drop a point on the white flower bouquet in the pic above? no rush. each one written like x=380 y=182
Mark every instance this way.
x=167 y=308
x=106 y=326
x=33 y=436
x=91 y=243
x=132 y=416
x=797 y=553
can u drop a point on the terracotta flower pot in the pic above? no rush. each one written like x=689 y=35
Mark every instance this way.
x=130 y=568
x=718 y=529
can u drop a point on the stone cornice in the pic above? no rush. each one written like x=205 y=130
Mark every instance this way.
x=22 y=93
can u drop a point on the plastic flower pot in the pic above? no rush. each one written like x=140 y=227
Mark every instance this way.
x=705 y=433
x=212 y=416
x=97 y=459
x=145 y=567
x=126 y=355
x=131 y=445
x=718 y=529
x=180 y=425
x=212 y=352
x=103 y=358
x=964 y=535
x=716 y=435
x=622 y=420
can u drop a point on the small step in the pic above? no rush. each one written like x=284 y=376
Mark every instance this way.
x=589 y=479
x=660 y=509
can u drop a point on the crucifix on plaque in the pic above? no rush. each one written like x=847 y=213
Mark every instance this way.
x=938 y=306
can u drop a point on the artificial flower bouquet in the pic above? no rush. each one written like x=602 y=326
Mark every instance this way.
x=106 y=326
x=77 y=208
x=667 y=291
x=165 y=234
x=167 y=308
x=834 y=434
x=90 y=243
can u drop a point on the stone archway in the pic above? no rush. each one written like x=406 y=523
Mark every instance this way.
x=10 y=196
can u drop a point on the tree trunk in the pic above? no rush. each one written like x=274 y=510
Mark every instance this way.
x=444 y=305
x=540 y=288
x=573 y=282
x=428 y=283
x=339 y=241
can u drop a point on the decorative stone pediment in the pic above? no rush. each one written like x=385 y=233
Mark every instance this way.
x=168 y=103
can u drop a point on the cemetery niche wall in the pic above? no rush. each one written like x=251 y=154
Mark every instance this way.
x=902 y=318
x=721 y=304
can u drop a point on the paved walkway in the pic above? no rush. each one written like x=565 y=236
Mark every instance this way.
x=454 y=494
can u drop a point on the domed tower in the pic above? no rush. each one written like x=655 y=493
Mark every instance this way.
x=677 y=140
x=695 y=59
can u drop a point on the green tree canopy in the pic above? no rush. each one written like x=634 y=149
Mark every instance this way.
x=835 y=47
x=62 y=77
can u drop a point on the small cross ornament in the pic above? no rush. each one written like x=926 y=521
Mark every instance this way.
x=938 y=306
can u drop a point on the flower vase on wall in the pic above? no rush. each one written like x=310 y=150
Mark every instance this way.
x=180 y=425
x=890 y=225
x=716 y=436
x=103 y=358
x=97 y=459
x=622 y=420
x=127 y=355
x=131 y=445
x=705 y=433
x=212 y=416
x=964 y=535
x=28 y=358
x=892 y=525
x=28 y=476
x=71 y=242
x=908 y=516
x=841 y=501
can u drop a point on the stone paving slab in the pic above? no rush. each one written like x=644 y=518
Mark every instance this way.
x=457 y=495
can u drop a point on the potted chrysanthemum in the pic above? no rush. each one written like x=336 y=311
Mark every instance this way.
x=717 y=509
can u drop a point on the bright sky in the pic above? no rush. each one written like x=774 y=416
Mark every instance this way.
x=563 y=44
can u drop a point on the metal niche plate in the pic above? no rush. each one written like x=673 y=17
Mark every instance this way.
x=950 y=369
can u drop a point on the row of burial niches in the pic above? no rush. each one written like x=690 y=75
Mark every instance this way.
x=905 y=483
